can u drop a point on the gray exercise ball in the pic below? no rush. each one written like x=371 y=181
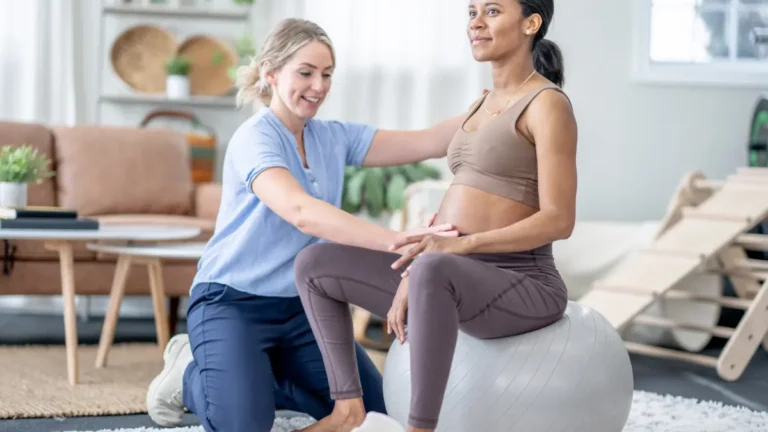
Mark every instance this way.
x=574 y=375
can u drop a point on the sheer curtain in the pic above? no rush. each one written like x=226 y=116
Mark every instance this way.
x=400 y=63
x=40 y=80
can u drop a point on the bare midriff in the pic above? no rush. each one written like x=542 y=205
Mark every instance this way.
x=472 y=210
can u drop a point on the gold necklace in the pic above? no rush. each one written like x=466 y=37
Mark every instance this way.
x=495 y=113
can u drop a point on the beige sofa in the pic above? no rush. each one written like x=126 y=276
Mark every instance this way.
x=116 y=175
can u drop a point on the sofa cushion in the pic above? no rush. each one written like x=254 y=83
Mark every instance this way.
x=39 y=137
x=95 y=278
x=110 y=169
x=207 y=199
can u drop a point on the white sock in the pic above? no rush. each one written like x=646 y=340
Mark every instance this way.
x=377 y=422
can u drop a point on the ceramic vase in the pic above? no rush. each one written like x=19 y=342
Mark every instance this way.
x=13 y=194
x=177 y=87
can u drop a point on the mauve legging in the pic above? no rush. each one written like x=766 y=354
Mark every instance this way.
x=484 y=295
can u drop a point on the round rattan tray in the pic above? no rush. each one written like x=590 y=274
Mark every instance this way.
x=210 y=59
x=139 y=56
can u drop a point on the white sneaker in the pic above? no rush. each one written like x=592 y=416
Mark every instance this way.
x=165 y=400
x=377 y=422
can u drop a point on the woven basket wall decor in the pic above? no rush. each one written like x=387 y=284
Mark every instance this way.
x=210 y=59
x=139 y=56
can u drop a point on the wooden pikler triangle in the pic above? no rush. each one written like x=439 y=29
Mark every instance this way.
x=706 y=229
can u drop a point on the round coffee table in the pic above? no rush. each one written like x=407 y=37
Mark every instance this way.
x=61 y=241
x=151 y=256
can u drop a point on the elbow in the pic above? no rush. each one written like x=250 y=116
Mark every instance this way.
x=562 y=225
x=301 y=218
x=566 y=229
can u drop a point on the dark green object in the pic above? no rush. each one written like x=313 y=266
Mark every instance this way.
x=379 y=189
x=758 y=137
x=178 y=65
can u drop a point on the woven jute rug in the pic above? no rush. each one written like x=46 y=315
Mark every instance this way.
x=33 y=381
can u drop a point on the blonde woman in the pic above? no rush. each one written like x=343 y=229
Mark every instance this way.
x=250 y=348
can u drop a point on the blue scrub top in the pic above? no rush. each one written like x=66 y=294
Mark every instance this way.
x=252 y=248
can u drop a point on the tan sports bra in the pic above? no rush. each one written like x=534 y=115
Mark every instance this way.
x=496 y=158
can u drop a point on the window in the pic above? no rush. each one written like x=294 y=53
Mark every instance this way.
x=718 y=42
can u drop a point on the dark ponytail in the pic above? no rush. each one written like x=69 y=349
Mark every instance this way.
x=547 y=57
x=548 y=61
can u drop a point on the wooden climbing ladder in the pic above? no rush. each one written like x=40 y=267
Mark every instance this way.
x=706 y=229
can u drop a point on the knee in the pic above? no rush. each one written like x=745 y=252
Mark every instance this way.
x=310 y=261
x=430 y=274
x=235 y=417
x=429 y=269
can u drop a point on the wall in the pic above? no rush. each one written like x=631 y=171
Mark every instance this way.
x=636 y=140
x=94 y=57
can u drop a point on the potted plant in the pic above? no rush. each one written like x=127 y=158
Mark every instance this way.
x=375 y=193
x=19 y=166
x=177 y=84
x=245 y=50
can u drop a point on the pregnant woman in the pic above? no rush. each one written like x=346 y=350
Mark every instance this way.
x=513 y=195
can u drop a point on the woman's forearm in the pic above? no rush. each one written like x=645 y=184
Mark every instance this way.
x=320 y=219
x=530 y=233
x=442 y=133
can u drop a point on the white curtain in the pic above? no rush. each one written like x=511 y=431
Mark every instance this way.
x=400 y=63
x=40 y=80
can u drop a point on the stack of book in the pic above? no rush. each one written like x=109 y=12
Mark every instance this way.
x=40 y=218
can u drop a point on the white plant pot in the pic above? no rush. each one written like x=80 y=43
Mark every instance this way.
x=177 y=87
x=13 y=194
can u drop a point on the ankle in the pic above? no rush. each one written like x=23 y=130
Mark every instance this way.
x=415 y=429
x=351 y=409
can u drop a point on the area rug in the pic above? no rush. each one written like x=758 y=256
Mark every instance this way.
x=34 y=381
x=650 y=413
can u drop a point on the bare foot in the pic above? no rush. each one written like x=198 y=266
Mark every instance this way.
x=347 y=414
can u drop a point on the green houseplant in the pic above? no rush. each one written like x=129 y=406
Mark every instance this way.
x=245 y=48
x=177 y=85
x=19 y=166
x=378 y=190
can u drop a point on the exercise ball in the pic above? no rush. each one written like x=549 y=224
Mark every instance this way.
x=574 y=375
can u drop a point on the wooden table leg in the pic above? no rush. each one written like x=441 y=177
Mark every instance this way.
x=67 y=266
x=361 y=319
x=113 y=312
x=157 y=289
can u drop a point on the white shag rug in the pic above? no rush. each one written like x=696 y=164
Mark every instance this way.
x=650 y=413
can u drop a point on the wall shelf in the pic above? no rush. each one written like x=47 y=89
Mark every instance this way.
x=240 y=13
x=161 y=99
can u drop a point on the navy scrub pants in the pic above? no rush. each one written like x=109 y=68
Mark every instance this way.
x=254 y=355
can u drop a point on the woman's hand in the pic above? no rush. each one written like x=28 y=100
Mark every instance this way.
x=428 y=243
x=446 y=230
x=396 y=314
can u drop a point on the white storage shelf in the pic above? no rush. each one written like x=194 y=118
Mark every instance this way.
x=160 y=99
x=239 y=13
x=118 y=104
x=220 y=19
